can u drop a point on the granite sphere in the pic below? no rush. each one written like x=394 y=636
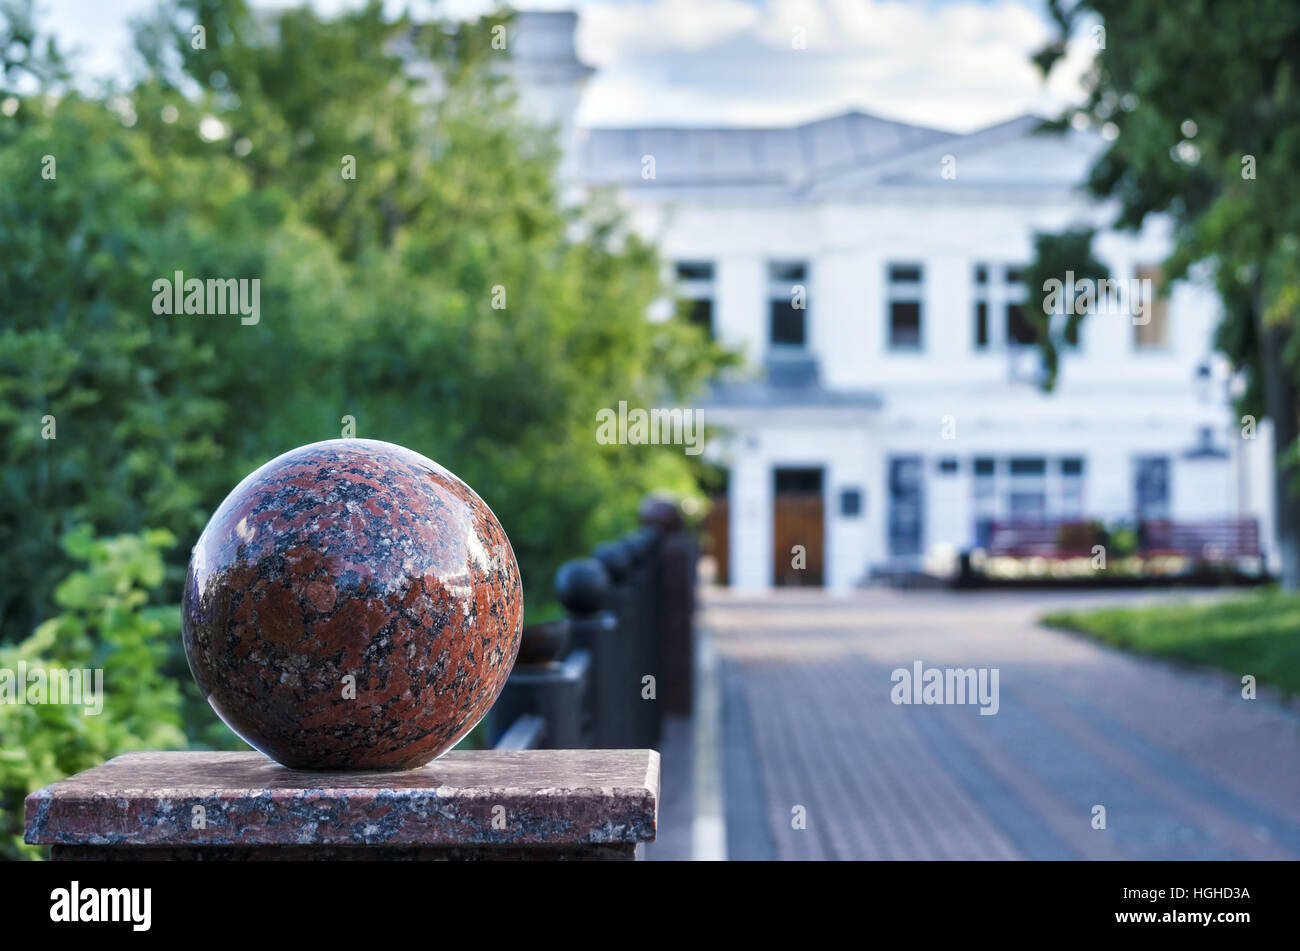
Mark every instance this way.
x=352 y=605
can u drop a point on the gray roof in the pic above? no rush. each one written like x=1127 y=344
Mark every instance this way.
x=845 y=152
x=775 y=155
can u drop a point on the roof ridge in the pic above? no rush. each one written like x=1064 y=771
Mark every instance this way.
x=787 y=127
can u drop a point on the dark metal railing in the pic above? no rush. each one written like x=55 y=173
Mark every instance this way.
x=606 y=675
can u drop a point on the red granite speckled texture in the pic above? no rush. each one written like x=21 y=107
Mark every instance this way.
x=490 y=798
x=352 y=561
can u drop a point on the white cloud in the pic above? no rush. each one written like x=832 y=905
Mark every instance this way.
x=956 y=65
x=612 y=32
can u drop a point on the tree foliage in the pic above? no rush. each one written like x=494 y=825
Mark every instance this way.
x=377 y=291
x=1055 y=256
x=1202 y=101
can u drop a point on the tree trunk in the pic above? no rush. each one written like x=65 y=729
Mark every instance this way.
x=1280 y=398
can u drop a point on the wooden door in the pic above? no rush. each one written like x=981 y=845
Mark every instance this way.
x=717 y=528
x=798 y=526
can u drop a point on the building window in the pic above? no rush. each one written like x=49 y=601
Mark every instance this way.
x=1154 y=333
x=699 y=312
x=981 y=306
x=948 y=466
x=905 y=294
x=904 y=325
x=1026 y=498
x=851 y=503
x=1028 y=467
x=1019 y=330
x=787 y=271
x=787 y=294
x=695 y=293
x=1151 y=488
x=1001 y=291
x=1071 y=489
x=1028 y=505
x=1025 y=489
x=985 y=500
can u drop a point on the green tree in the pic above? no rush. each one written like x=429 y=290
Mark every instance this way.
x=1204 y=102
x=418 y=272
x=1056 y=255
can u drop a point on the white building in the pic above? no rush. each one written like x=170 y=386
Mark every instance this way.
x=898 y=393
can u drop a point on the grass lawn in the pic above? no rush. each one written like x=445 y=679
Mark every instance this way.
x=1258 y=634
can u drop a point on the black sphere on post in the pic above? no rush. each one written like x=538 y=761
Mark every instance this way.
x=616 y=559
x=661 y=514
x=582 y=585
x=638 y=542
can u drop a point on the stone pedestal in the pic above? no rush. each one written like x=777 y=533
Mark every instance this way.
x=488 y=804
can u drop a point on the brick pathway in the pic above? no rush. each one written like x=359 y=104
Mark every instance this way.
x=1184 y=767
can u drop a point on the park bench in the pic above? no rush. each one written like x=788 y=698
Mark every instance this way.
x=1205 y=540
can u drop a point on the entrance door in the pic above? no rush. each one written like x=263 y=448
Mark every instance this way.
x=906 y=501
x=717 y=534
x=798 y=523
x=1151 y=488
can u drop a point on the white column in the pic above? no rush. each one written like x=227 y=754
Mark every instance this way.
x=750 y=512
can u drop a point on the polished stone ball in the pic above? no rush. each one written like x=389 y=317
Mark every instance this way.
x=352 y=605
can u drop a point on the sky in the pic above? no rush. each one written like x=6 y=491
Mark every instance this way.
x=953 y=64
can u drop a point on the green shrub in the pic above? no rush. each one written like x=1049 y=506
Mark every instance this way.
x=106 y=622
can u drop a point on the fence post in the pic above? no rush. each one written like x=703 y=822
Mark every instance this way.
x=646 y=605
x=542 y=684
x=677 y=554
x=582 y=586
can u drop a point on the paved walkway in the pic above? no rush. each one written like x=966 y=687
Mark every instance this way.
x=1184 y=767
